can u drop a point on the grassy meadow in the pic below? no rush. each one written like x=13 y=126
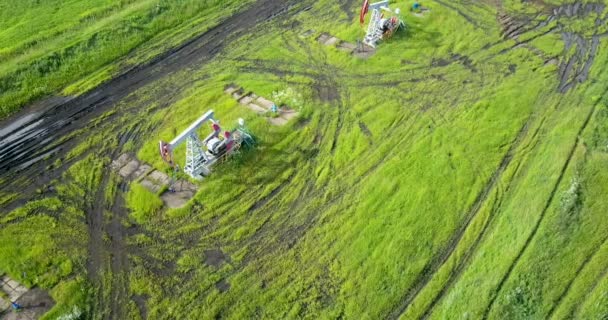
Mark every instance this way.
x=445 y=177
x=69 y=47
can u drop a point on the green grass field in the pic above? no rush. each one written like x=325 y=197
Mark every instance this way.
x=455 y=174
x=69 y=47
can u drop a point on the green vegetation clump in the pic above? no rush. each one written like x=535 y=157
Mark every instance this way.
x=142 y=202
x=71 y=296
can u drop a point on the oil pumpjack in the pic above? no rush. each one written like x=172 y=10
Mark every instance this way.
x=201 y=155
x=379 y=27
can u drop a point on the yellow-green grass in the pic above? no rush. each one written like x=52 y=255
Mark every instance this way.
x=323 y=220
x=48 y=46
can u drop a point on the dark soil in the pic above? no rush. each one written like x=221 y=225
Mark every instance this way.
x=364 y=129
x=578 y=9
x=222 y=285
x=215 y=257
x=326 y=93
x=142 y=305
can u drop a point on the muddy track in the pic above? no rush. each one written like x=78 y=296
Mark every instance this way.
x=542 y=214
x=440 y=258
x=579 y=270
x=95 y=224
x=24 y=136
x=119 y=263
x=99 y=249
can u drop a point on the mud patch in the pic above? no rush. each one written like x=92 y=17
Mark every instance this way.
x=511 y=28
x=215 y=257
x=465 y=61
x=364 y=129
x=222 y=286
x=364 y=52
x=578 y=9
x=307 y=33
x=141 y=302
x=440 y=62
x=326 y=92
x=182 y=191
x=347 y=47
x=575 y=69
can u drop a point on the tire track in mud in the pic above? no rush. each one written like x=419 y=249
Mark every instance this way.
x=119 y=262
x=579 y=270
x=95 y=247
x=99 y=249
x=46 y=169
x=441 y=257
x=573 y=69
x=543 y=212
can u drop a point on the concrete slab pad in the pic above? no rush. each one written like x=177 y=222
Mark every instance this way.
x=230 y=89
x=159 y=177
x=264 y=103
x=323 y=38
x=364 y=53
x=332 y=41
x=121 y=161
x=177 y=199
x=256 y=108
x=129 y=168
x=142 y=171
x=246 y=100
x=150 y=185
x=238 y=94
x=12 y=283
x=347 y=46
x=5 y=287
x=16 y=293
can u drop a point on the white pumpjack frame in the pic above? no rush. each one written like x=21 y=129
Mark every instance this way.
x=375 y=30
x=198 y=160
